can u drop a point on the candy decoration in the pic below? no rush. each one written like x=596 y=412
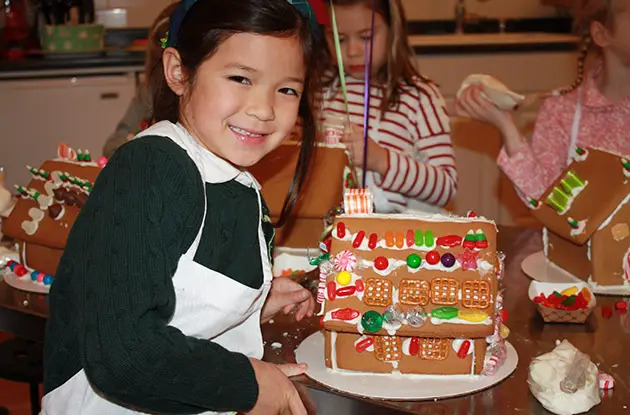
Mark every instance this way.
x=580 y=151
x=445 y=313
x=606 y=381
x=393 y=315
x=571 y=182
x=534 y=203
x=433 y=257
x=569 y=291
x=343 y=278
x=40 y=277
x=358 y=239
x=428 y=238
x=381 y=263
x=448 y=260
x=345 y=314
x=346 y=291
x=65 y=152
x=468 y=259
x=625 y=163
x=418 y=237
x=360 y=286
x=341 y=230
x=373 y=241
x=20 y=270
x=411 y=240
x=331 y=288
x=34 y=275
x=372 y=321
x=621 y=305
x=358 y=201
x=449 y=241
x=463 y=349
x=416 y=317
x=480 y=240
x=389 y=239
x=558 y=199
x=474 y=316
x=572 y=222
x=607 y=311
x=101 y=161
x=362 y=345
x=345 y=261
x=469 y=240
x=414 y=261
x=414 y=346
x=400 y=240
x=504 y=315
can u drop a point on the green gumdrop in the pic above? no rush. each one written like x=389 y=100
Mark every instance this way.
x=419 y=238
x=428 y=238
x=569 y=301
x=444 y=313
x=372 y=321
x=557 y=294
x=414 y=261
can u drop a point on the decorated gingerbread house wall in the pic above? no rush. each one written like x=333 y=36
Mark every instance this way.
x=47 y=208
x=586 y=218
x=414 y=294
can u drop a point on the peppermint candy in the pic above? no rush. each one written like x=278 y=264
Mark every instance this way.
x=345 y=261
x=606 y=381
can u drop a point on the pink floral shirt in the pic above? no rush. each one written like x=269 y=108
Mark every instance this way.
x=603 y=124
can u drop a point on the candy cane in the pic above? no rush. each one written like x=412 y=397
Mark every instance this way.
x=320 y=292
x=357 y=201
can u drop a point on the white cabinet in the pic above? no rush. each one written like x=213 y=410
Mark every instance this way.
x=38 y=114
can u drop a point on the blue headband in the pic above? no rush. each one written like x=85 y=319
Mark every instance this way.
x=303 y=6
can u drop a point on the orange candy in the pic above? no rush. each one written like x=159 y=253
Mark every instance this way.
x=586 y=294
x=400 y=240
x=389 y=239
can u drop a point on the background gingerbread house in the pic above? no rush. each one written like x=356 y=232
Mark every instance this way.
x=586 y=218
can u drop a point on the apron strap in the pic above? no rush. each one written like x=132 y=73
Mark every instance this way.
x=575 y=127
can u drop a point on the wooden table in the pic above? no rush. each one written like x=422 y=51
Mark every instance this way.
x=607 y=341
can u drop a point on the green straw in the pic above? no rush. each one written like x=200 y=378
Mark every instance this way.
x=342 y=73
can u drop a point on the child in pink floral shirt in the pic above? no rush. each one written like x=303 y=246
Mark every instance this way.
x=594 y=112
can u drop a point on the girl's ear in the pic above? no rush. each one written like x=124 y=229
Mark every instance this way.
x=173 y=71
x=600 y=34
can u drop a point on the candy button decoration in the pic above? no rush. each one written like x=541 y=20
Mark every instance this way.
x=372 y=321
x=414 y=261
x=344 y=278
x=48 y=279
x=444 y=313
x=448 y=260
x=381 y=263
x=102 y=161
x=606 y=381
x=473 y=316
x=34 y=275
x=433 y=257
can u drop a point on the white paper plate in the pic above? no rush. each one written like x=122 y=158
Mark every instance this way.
x=295 y=259
x=537 y=267
x=25 y=283
x=397 y=387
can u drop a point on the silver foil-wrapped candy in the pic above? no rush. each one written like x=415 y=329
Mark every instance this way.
x=393 y=315
x=416 y=317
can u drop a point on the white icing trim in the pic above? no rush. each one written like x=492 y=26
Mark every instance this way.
x=80 y=163
x=545 y=240
x=397 y=375
x=426 y=217
x=609 y=218
x=333 y=350
x=625 y=266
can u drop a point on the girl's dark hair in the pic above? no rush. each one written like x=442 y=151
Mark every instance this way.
x=586 y=12
x=399 y=65
x=206 y=26
x=157 y=31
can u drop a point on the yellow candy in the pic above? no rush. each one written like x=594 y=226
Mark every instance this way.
x=504 y=331
x=570 y=291
x=344 y=278
x=474 y=316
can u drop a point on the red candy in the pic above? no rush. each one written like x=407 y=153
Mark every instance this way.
x=463 y=349
x=471 y=214
x=364 y=344
x=481 y=244
x=20 y=270
x=621 y=305
x=504 y=315
x=414 y=346
x=358 y=239
x=345 y=314
x=321 y=322
x=381 y=263
x=606 y=311
x=433 y=257
x=360 y=286
x=332 y=290
x=411 y=240
x=373 y=241
x=346 y=291
x=341 y=230
x=449 y=241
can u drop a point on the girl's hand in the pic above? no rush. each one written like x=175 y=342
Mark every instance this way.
x=286 y=295
x=472 y=104
x=276 y=393
x=377 y=155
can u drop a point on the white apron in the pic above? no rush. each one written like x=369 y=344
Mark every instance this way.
x=209 y=305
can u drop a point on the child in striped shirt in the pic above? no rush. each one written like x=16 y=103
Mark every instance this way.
x=410 y=162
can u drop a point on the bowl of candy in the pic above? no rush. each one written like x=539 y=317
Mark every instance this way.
x=562 y=302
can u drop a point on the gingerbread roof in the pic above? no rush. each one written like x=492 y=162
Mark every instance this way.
x=585 y=195
x=50 y=203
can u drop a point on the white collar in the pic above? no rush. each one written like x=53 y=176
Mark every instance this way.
x=213 y=168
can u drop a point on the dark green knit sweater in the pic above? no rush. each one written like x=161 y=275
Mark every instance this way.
x=113 y=295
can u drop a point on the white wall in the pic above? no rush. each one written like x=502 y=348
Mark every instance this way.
x=445 y=9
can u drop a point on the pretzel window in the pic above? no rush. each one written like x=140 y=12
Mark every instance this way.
x=476 y=294
x=378 y=292
x=444 y=291
x=413 y=292
x=387 y=348
x=434 y=349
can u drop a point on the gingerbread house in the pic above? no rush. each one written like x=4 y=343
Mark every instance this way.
x=586 y=218
x=412 y=294
x=48 y=206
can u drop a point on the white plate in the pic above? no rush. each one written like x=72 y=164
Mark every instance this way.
x=295 y=259
x=397 y=387
x=537 y=267
x=25 y=283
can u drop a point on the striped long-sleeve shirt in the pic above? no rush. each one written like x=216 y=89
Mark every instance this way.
x=416 y=134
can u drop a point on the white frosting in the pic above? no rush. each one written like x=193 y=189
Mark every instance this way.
x=588 y=248
x=397 y=375
x=580 y=228
x=80 y=163
x=545 y=240
x=457 y=343
x=333 y=349
x=612 y=215
x=36 y=214
x=406 y=345
x=548 y=370
x=427 y=217
x=391 y=328
x=625 y=266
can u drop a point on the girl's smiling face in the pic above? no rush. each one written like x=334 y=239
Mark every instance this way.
x=243 y=101
x=354 y=23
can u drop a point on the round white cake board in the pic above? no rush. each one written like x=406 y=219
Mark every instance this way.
x=398 y=386
x=537 y=267
x=25 y=283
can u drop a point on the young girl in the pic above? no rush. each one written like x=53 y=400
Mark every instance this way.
x=162 y=288
x=139 y=112
x=594 y=111
x=410 y=158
